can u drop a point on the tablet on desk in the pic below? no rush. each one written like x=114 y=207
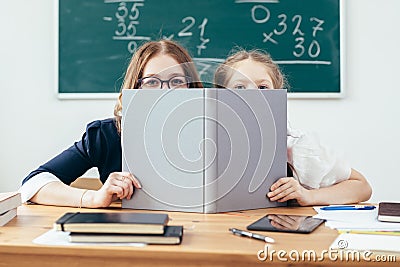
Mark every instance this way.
x=286 y=223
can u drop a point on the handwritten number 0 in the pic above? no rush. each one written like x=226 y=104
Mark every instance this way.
x=132 y=46
x=263 y=8
x=314 y=44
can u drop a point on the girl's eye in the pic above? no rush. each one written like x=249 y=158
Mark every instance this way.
x=178 y=81
x=239 y=86
x=150 y=82
x=263 y=86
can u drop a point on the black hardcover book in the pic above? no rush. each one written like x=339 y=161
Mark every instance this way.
x=389 y=212
x=172 y=236
x=112 y=222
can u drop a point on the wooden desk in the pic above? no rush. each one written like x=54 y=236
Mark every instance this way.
x=206 y=242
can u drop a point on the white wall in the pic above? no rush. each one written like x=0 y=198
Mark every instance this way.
x=362 y=126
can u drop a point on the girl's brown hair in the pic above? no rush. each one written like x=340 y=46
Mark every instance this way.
x=225 y=70
x=139 y=60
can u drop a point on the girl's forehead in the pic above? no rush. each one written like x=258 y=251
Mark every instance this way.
x=249 y=64
x=252 y=69
x=160 y=64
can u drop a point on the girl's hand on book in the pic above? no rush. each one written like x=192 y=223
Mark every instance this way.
x=289 y=188
x=119 y=185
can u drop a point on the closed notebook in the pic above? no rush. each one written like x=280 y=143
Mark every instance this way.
x=9 y=201
x=172 y=235
x=115 y=222
x=389 y=212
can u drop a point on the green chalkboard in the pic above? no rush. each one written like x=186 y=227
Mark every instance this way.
x=96 y=39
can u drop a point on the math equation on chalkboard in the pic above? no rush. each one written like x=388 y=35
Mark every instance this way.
x=303 y=37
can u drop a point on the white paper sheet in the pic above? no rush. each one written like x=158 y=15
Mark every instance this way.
x=367 y=242
x=59 y=238
x=354 y=220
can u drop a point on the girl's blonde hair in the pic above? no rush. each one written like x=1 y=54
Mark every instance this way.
x=139 y=60
x=225 y=70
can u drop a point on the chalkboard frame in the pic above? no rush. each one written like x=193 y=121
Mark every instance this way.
x=293 y=95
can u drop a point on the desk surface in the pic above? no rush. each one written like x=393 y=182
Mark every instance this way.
x=206 y=242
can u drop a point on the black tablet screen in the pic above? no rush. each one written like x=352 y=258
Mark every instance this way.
x=286 y=223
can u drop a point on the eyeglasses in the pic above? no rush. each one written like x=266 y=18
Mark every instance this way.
x=153 y=82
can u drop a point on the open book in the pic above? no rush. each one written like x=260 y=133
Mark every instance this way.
x=204 y=150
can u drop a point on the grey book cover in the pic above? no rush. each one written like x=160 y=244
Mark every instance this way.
x=204 y=150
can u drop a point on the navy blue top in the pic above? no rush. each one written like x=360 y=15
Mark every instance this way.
x=99 y=147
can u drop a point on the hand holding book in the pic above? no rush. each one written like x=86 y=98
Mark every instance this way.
x=119 y=185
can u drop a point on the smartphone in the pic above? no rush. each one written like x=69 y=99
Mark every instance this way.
x=286 y=223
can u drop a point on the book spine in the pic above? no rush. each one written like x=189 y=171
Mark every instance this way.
x=59 y=224
x=7 y=216
x=210 y=151
x=10 y=202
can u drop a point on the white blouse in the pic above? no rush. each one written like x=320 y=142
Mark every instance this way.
x=313 y=164
x=33 y=185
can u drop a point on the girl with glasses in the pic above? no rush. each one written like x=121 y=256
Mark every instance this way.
x=161 y=64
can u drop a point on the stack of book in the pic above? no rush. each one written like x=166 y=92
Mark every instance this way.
x=9 y=202
x=119 y=227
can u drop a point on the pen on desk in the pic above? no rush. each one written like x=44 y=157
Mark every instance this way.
x=351 y=207
x=252 y=235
